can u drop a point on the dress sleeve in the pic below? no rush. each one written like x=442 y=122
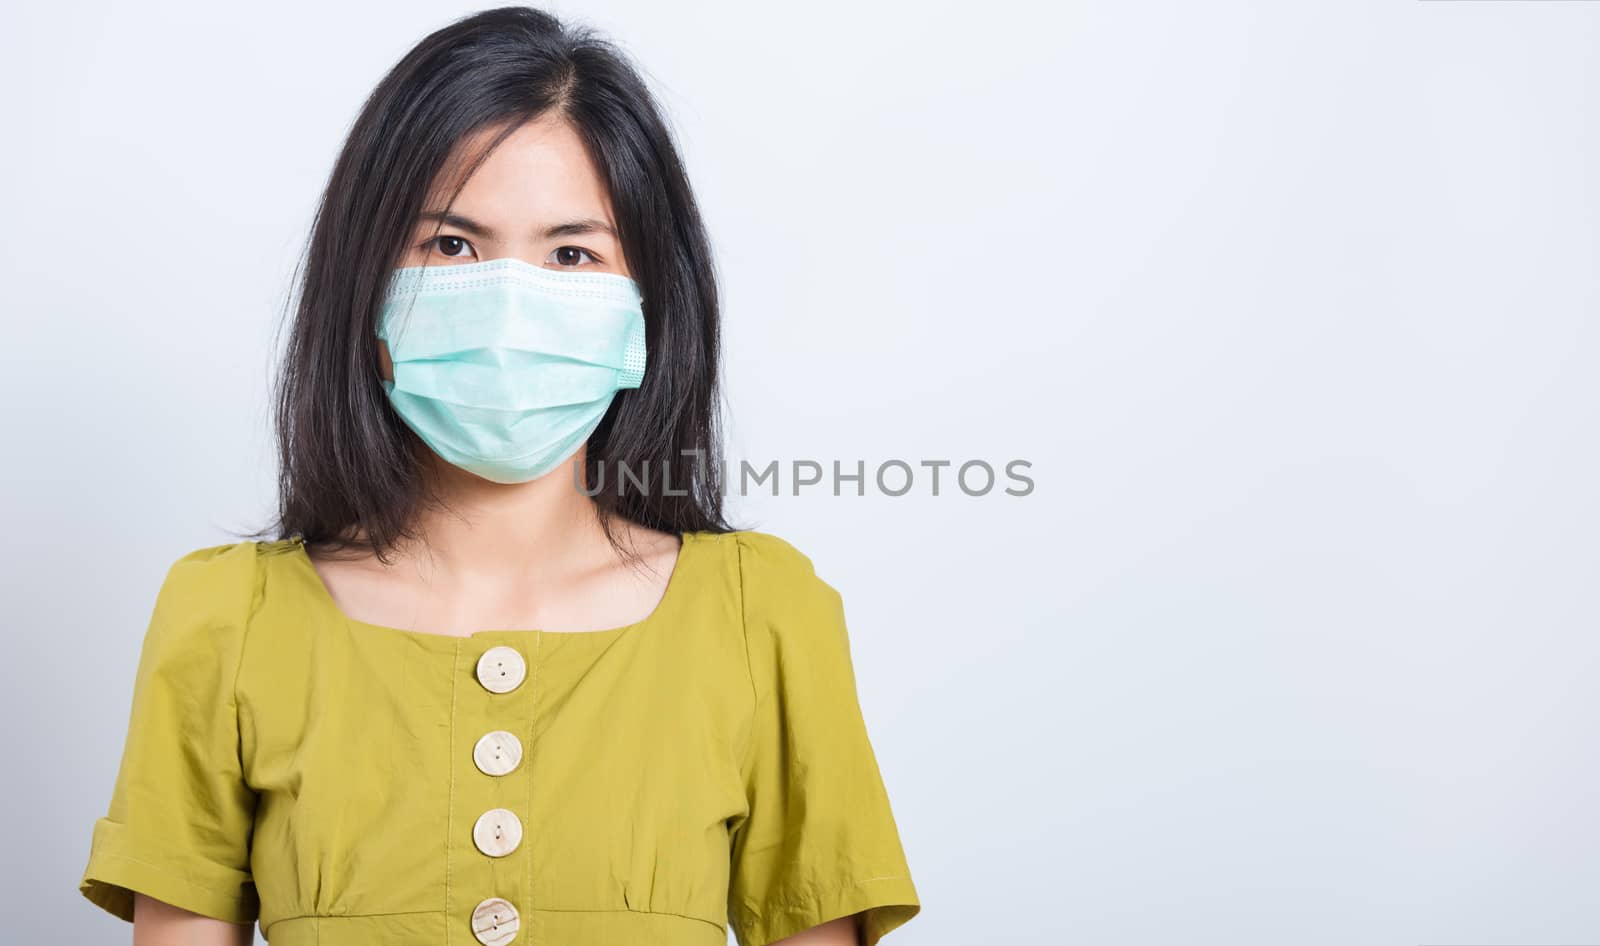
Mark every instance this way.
x=181 y=815
x=819 y=840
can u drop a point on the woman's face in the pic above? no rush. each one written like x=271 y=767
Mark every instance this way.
x=538 y=197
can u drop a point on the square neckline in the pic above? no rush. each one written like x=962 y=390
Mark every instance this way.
x=326 y=602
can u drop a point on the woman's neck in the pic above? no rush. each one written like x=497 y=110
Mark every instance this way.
x=519 y=531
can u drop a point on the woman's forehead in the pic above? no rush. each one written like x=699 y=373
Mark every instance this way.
x=540 y=173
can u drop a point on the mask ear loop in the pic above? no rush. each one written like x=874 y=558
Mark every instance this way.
x=633 y=358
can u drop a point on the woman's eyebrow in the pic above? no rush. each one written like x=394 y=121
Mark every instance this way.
x=576 y=227
x=456 y=220
x=579 y=228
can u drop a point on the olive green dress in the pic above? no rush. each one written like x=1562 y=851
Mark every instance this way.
x=348 y=784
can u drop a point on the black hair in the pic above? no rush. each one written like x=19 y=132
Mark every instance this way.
x=352 y=474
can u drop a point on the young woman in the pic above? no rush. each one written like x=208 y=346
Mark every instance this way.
x=500 y=672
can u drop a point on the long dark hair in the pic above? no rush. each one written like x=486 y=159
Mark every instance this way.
x=352 y=474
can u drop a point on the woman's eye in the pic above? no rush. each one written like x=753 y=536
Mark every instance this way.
x=451 y=246
x=571 y=256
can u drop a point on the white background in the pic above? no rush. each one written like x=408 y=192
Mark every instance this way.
x=1292 y=307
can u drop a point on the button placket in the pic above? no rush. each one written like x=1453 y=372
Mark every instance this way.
x=497 y=832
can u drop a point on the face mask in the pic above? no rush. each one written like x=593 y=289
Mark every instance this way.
x=505 y=368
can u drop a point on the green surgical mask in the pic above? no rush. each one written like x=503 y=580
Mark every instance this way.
x=505 y=368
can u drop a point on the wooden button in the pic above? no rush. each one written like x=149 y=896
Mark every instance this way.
x=498 y=832
x=501 y=669
x=497 y=752
x=495 y=922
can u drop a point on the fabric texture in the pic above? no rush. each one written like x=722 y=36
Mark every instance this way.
x=705 y=768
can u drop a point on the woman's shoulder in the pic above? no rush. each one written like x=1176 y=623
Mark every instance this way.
x=221 y=581
x=765 y=558
x=764 y=564
x=210 y=569
x=202 y=612
x=776 y=582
